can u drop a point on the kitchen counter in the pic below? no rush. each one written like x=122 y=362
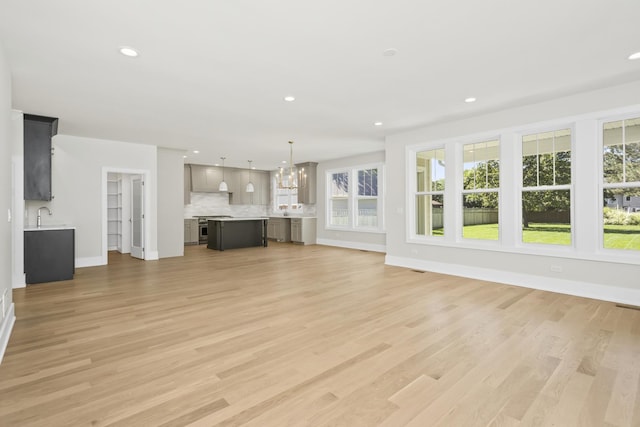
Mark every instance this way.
x=48 y=227
x=231 y=233
x=232 y=219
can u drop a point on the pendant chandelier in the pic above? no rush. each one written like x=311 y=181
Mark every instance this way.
x=250 y=188
x=223 y=185
x=295 y=178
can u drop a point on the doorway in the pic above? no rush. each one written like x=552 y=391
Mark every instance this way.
x=125 y=199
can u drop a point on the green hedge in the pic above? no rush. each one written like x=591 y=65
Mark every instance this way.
x=620 y=217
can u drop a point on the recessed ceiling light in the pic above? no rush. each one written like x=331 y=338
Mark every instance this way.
x=289 y=98
x=635 y=55
x=128 y=51
x=470 y=100
x=389 y=52
x=184 y=157
x=196 y=152
x=377 y=124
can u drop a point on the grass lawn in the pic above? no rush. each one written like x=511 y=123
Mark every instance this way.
x=622 y=237
x=615 y=236
x=549 y=234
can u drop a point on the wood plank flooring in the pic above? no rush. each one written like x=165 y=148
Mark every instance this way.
x=312 y=336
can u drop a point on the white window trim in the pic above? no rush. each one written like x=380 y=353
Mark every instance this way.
x=353 y=198
x=621 y=253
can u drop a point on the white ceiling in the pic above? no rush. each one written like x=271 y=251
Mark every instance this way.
x=212 y=75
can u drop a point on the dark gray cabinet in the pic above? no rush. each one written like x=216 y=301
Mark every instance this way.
x=237 y=233
x=38 y=131
x=49 y=255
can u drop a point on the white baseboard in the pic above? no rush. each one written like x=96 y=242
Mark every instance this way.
x=353 y=245
x=152 y=256
x=5 y=330
x=19 y=281
x=570 y=287
x=89 y=261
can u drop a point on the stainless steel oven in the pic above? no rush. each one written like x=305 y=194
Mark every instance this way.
x=203 y=234
x=203 y=226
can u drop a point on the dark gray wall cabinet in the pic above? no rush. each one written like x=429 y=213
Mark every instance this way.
x=49 y=255
x=38 y=131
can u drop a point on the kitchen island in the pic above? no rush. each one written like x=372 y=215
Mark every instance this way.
x=232 y=233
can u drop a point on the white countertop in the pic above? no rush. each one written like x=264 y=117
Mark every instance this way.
x=238 y=219
x=292 y=216
x=49 y=227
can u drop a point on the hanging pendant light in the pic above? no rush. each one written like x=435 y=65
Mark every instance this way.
x=250 y=188
x=223 y=185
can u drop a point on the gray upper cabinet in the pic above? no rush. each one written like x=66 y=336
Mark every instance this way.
x=307 y=194
x=260 y=180
x=205 y=179
x=38 y=131
x=187 y=184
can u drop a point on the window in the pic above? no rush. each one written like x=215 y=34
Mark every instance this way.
x=367 y=198
x=354 y=198
x=284 y=199
x=546 y=188
x=621 y=184
x=339 y=199
x=429 y=196
x=480 y=184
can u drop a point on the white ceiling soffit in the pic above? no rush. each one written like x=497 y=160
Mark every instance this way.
x=212 y=75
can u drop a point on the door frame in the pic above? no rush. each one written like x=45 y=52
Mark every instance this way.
x=146 y=175
x=135 y=249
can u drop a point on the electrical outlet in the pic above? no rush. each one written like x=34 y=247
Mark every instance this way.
x=556 y=268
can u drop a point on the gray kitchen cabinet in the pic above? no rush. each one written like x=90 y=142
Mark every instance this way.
x=191 y=231
x=49 y=255
x=260 y=180
x=187 y=184
x=205 y=179
x=303 y=230
x=307 y=193
x=279 y=229
x=38 y=131
x=263 y=185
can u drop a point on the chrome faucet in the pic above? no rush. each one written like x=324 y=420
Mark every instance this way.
x=39 y=220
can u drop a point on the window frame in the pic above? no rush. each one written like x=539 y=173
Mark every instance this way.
x=461 y=191
x=353 y=198
x=602 y=185
x=555 y=187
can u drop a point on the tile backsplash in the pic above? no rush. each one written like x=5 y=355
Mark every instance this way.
x=204 y=204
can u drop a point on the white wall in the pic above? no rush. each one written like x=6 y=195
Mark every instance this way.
x=582 y=271
x=77 y=172
x=170 y=202
x=7 y=316
x=347 y=239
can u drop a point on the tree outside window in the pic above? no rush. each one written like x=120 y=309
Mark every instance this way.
x=480 y=184
x=546 y=187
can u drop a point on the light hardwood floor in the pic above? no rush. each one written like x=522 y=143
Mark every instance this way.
x=312 y=336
